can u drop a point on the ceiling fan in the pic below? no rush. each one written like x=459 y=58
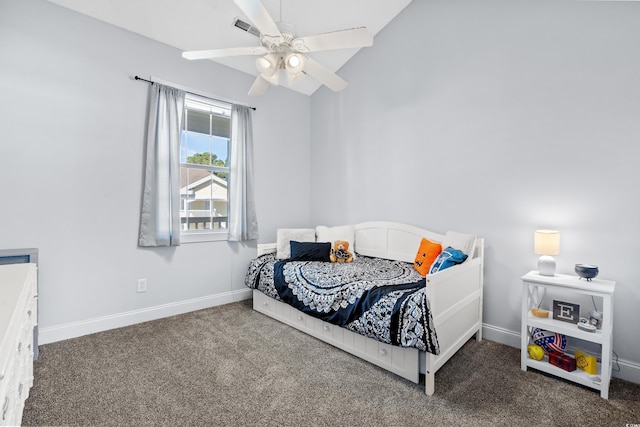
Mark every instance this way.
x=282 y=54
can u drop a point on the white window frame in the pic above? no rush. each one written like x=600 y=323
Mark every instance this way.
x=220 y=108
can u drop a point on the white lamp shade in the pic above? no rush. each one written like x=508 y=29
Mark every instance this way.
x=547 y=242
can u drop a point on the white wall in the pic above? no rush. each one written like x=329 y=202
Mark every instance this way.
x=496 y=117
x=72 y=123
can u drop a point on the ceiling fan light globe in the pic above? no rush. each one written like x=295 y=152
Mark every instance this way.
x=262 y=63
x=266 y=65
x=293 y=61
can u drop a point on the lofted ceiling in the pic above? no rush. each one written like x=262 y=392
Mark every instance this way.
x=207 y=24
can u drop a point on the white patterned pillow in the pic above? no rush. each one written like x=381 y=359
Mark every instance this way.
x=286 y=235
x=463 y=242
x=341 y=232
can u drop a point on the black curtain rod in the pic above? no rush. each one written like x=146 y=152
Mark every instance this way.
x=191 y=93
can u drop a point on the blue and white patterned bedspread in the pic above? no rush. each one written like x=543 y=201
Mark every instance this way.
x=378 y=298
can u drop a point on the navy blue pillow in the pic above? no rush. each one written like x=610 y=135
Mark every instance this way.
x=447 y=258
x=310 y=251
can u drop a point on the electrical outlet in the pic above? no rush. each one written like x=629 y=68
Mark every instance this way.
x=142 y=285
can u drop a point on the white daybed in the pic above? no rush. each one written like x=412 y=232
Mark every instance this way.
x=455 y=297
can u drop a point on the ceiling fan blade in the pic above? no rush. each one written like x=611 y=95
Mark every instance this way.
x=344 y=39
x=258 y=15
x=259 y=87
x=324 y=75
x=223 y=53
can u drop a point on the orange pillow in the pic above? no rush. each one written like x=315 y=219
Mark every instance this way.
x=427 y=253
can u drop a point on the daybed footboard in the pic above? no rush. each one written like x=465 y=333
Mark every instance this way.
x=455 y=298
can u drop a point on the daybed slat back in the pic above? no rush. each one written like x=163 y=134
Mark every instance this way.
x=391 y=240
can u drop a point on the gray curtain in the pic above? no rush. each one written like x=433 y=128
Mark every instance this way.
x=243 y=222
x=160 y=212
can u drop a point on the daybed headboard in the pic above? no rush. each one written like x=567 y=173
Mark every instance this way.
x=391 y=240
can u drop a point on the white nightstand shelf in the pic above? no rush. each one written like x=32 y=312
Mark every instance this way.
x=531 y=282
x=578 y=376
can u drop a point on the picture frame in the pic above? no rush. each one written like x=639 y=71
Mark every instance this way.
x=566 y=311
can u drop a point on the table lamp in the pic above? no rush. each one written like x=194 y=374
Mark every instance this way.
x=547 y=243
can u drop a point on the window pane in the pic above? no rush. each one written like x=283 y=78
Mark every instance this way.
x=198 y=121
x=205 y=122
x=204 y=200
x=220 y=149
x=204 y=150
x=221 y=126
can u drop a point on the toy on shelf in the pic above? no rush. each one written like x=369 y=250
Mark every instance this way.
x=586 y=362
x=562 y=361
x=535 y=352
x=538 y=312
x=550 y=341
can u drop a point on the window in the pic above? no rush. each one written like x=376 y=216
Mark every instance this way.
x=204 y=169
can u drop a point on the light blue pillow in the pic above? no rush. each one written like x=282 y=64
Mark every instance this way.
x=447 y=258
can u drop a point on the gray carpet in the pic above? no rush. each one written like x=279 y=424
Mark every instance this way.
x=231 y=366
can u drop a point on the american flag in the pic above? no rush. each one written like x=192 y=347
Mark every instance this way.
x=550 y=341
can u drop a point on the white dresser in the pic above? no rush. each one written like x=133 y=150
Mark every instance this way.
x=18 y=317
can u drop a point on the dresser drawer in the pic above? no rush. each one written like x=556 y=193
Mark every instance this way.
x=4 y=395
x=31 y=312
x=9 y=398
x=18 y=317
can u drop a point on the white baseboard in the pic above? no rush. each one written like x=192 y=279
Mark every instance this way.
x=501 y=335
x=629 y=371
x=90 y=326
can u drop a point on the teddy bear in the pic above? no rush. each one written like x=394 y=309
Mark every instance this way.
x=340 y=252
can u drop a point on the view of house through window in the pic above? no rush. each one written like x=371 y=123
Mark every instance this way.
x=204 y=166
